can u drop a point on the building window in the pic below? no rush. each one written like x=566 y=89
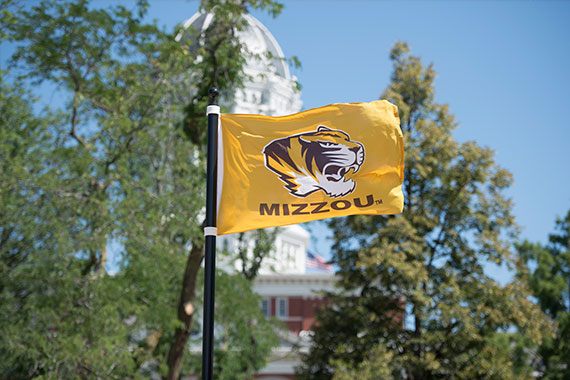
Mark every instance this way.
x=282 y=308
x=265 y=307
x=289 y=253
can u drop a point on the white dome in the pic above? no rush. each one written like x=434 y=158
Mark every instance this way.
x=271 y=90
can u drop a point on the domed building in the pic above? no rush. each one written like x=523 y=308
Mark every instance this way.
x=288 y=292
x=271 y=90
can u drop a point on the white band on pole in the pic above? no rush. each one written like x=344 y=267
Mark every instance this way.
x=210 y=231
x=213 y=110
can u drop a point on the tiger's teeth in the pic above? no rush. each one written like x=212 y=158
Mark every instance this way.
x=355 y=167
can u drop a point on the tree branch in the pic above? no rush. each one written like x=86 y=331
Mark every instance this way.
x=73 y=132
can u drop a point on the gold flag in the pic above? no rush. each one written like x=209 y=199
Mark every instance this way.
x=337 y=160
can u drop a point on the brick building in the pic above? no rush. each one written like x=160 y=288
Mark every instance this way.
x=294 y=299
x=289 y=293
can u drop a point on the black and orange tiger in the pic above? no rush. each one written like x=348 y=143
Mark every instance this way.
x=314 y=161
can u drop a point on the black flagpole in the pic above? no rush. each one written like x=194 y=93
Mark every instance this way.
x=210 y=235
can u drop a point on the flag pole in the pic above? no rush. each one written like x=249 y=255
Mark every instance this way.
x=210 y=232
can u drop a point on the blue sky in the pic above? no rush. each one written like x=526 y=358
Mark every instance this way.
x=503 y=68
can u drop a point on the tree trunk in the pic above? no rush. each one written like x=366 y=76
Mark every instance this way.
x=102 y=260
x=185 y=314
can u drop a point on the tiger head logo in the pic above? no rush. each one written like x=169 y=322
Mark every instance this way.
x=314 y=161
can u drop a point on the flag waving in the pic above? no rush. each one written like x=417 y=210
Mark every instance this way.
x=315 y=261
x=337 y=160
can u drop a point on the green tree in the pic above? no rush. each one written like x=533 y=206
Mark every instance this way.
x=375 y=365
x=549 y=279
x=119 y=166
x=426 y=265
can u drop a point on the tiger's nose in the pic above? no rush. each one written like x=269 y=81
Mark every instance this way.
x=355 y=149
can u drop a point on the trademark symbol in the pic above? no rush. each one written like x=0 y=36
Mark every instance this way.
x=379 y=201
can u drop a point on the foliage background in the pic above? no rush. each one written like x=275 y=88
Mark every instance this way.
x=517 y=73
x=117 y=164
